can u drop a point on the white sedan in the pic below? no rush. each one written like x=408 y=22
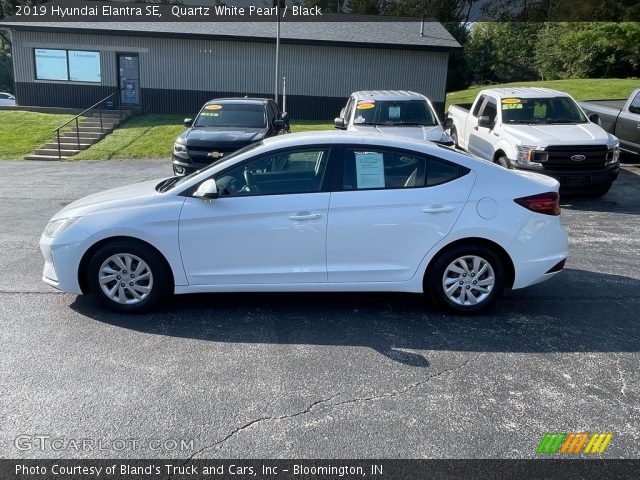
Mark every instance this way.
x=332 y=211
x=6 y=99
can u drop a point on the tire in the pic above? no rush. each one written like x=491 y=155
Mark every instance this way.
x=599 y=192
x=503 y=162
x=113 y=262
x=454 y=137
x=443 y=274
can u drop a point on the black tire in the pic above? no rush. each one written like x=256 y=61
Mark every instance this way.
x=454 y=137
x=434 y=281
x=503 y=162
x=159 y=279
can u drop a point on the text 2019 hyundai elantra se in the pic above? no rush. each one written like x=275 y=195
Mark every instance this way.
x=331 y=211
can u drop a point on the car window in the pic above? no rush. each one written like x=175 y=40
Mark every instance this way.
x=273 y=111
x=371 y=169
x=231 y=115
x=299 y=171
x=635 y=103
x=387 y=169
x=394 y=112
x=490 y=109
x=479 y=103
x=4 y=96
x=349 y=109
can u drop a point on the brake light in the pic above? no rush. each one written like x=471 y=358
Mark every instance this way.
x=546 y=203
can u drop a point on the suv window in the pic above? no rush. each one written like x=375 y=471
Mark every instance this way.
x=293 y=171
x=371 y=168
x=349 y=109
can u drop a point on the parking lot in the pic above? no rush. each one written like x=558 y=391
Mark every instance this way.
x=318 y=375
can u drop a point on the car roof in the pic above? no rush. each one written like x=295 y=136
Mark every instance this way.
x=250 y=100
x=387 y=95
x=524 y=92
x=345 y=137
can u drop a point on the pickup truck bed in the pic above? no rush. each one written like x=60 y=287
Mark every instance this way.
x=617 y=104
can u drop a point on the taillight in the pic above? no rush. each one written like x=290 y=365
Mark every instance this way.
x=546 y=203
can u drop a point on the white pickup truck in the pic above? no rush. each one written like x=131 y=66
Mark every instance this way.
x=398 y=113
x=540 y=130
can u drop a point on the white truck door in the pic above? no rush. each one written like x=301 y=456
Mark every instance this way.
x=482 y=138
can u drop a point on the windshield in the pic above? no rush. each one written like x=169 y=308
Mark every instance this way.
x=541 y=110
x=174 y=182
x=232 y=115
x=402 y=112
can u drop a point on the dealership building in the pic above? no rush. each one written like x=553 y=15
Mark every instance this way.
x=174 y=67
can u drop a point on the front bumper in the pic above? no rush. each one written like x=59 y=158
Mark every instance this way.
x=62 y=259
x=185 y=166
x=576 y=179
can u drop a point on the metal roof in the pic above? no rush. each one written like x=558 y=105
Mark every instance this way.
x=388 y=95
x=357 y=30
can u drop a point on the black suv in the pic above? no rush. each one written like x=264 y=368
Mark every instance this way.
x=225 y=125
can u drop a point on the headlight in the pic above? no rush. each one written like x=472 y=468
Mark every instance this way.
x=528 y=155
x=55 y=227
x=613 y=154
x=179 y=149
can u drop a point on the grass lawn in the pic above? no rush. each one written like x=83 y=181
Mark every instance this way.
x=580 y=89
x=21 y=133
x=152 y=136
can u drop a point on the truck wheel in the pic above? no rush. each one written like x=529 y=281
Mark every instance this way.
x=600 y=191
x=503 y=162
x=454 y=136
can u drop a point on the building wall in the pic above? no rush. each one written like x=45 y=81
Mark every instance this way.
x=178 y=75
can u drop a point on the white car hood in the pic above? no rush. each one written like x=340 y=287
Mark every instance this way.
x=432 y=134
x=545 y=135
x=119 y=197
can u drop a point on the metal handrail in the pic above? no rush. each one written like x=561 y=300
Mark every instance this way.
x=57 y=130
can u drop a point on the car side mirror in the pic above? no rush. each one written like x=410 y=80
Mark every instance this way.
x=279 y=124
x=634 y=109
x=188 y=122
x=594 y=118
x=285 y=117
x=485 y=121
x=448 y=123
x=207 y=189
x=339 y=122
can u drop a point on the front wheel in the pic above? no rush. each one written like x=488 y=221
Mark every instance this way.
x=466 y=279
x=127 y=277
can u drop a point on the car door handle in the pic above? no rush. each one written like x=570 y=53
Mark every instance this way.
x=438 y=209
x=305 y=216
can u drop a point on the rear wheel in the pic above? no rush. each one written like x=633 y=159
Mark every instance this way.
x=127 y=277
x=466 y=279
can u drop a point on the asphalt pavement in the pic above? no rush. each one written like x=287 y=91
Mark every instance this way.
x=315 y=375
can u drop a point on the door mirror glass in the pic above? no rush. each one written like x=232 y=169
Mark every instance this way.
x=594 y=118
x=485 y=121
x=339 y=122
x=188 y=122
x=207 y=189
x=448 y=123
x=279 y=124
x=633 y=109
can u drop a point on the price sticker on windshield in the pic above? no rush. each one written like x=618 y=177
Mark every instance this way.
x=213 y=107
x=365 y=106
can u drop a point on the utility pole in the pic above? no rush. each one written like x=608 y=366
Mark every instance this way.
x=277 y=69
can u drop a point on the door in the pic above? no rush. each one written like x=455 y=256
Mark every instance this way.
x=393 y=207
x=628 y=126
x=129 y=78
x=268 y=225
x=481 y=139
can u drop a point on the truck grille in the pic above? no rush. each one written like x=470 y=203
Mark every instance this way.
x=595 y=157
x=201 y=154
